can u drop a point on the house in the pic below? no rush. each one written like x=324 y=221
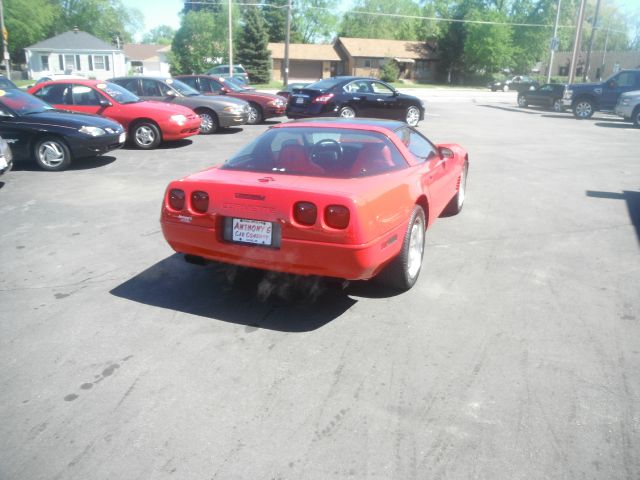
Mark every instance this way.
x=75 y=52
x=602 y=64
x=307 y=62
x=416 y=61
x=147 y=59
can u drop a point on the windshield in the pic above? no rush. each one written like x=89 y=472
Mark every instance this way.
x=319 y=152
x=22 y=103
x=324 y=84
x=118 y=93
x=231 y=85
x=183 y=88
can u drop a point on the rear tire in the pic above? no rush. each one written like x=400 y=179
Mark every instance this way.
x=557 y=106
x=635 y=117
x=505 y=88
x=52 y=154
x=457 y=202
x=347 y=112
x=403 y=271
x=522 y=101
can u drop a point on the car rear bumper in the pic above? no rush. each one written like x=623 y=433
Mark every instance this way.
x=350 y=262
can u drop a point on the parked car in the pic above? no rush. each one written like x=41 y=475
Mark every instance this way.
x=214 y=112
x=148 y=123
x=587 y=98
x=6 y=84
x=548 y=95
x=519 y=83
x=286 y=91
x=52 y=137
x=628 y=107
x=6 y=157
x=350 y=97
x=343 y=198
x=261 y=105
x=239 y=72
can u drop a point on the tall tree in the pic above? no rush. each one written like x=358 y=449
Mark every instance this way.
x=197 y=44
x=315 y=20
x=252 y=49
x=162 y=34
x=399 y=25
x=487 y=48
x=27 y=22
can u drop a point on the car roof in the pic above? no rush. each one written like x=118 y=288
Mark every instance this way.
x=375 y=124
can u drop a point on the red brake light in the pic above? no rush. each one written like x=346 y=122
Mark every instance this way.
x=336 y=216
x=176 y=199
x=305 y=213
x=323 y=98
x=200 y=201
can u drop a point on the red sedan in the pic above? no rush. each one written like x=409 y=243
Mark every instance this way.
x=261 y=105
x=148 y=123
x=340 y=198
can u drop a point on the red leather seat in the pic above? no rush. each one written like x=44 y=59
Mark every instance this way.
x=294 y=159
x=372 y=158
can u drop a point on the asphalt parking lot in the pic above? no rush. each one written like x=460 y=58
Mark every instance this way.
x=515 y=356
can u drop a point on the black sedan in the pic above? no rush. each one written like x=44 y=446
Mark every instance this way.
x=35 y=129
x=548 y=95
x=350 y=97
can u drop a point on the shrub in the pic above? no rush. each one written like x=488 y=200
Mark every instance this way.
x=389 y=71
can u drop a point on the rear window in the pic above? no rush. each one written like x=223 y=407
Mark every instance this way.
x=319 y=152
x=324 y=84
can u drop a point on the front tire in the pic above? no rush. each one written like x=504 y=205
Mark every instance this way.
x=635 y=117
x=145 y=135
x=52 y=154
x=403 y=271
x=208 y=121
x=505 y=88
x=412 y=117
x=522 y=101
x=255 y=114
x=347 y=112
x=583 y=109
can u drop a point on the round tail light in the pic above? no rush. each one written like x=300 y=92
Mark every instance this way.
x=336 y=216
x=305 y=213
x=176 y=199
x=200 y=201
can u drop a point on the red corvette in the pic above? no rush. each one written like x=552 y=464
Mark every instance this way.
x=340 y=198
x=148 y=123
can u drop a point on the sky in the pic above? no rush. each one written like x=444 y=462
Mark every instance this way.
x=166 y=12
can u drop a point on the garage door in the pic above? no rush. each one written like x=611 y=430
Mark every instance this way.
x=305 y=70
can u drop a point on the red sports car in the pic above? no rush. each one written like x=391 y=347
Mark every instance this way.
x=261 y=105
x=148 y=123
x=344 y=198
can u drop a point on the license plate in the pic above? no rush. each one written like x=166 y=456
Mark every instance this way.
x=122 y=137
x=251 y=231
x=3 y=163
x=300 y=100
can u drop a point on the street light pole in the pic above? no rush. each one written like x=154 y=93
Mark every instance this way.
x=5 y=48
x=285 y=79
x=593 y=32
x=554 y=42
x=230 y=44
x=576 y=42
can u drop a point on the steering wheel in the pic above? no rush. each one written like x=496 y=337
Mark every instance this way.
x=327 y=153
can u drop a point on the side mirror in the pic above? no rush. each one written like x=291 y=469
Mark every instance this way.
x=396 y=93
x=224 y=91
x=105 y=103
x=445 y=152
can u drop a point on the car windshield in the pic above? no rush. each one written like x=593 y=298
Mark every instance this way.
x=231 y=85
x=22 y=103
x=118 y=93
x=319 y=152
x=183 y=88
x=324 y=84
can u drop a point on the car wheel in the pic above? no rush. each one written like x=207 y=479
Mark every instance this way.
x=347 y=112
x=255 y=114
x=635 y=117
x=522 y=101
x=402 y=273
x=145 y=135
x=455 y=205
x=505 y=88
x=583 y=109
x=493 y=89
x=208 y=121
x=52 y=154
x=557 y=106
x=412 y=116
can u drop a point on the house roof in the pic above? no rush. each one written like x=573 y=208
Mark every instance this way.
x=142 y=51
x=73 y=40
x=382 y=48
x=305 y=51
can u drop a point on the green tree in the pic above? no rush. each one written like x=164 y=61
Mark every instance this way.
x=27 y=22
x=315 y=20
x=275 y=17
x=389 y=71
x=197 y=44
x=252 y=49
x=487 y=48
x=398 y=26
x=162 y=35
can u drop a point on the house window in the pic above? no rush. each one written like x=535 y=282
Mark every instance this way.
x=367 y=63
x=70 y=62
x=563 y=71
x=101 y=62
x=44 y=59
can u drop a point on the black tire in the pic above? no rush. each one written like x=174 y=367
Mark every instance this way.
x=208 y=121
x=412 y=116
x=557 y=106
x=347 y=112
x=457 y=202
x=522 y=101
x=505 y=88
x=255 y=114
x=635 y=117
x=145 y=135
x=583 y=108
x=403 y=271
x=52 y=154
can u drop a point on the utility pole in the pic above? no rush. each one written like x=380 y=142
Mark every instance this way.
x=593 y=32
x=554 y=42
x=5 y=47
x=576 y=42
x=287 y=37
x=230 y=44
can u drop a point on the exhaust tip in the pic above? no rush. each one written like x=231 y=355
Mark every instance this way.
x=195 y=260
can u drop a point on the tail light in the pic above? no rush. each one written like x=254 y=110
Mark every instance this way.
x=323 y=98
x=200 y=201
x=336 y=216
x=305 y=213
x=176 y=199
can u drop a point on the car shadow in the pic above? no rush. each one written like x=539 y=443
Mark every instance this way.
x=257 y=299
x=169 y=145
x=79 y=164
x=1 y=185
x=271 y=121
x=228 y=131
x=632 y=199
x=510 y=109
x=616 y=124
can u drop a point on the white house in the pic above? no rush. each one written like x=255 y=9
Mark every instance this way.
x=147 y=59
x=75 y=52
